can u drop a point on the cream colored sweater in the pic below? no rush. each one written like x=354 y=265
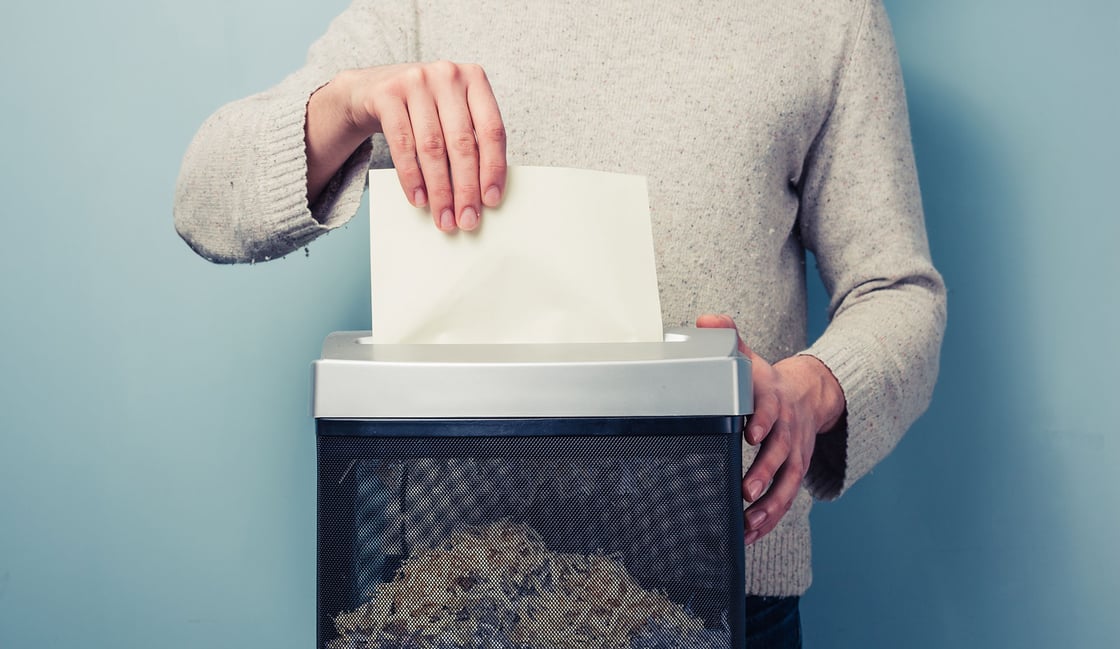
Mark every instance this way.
x=765 y=128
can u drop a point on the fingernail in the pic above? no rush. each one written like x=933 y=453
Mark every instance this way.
x=493 y=196
x=751 y=538
x=755 y=518
x=419 y=198
x=755 y=435
x=468 y=219
x=447 y=220
x=754 y=489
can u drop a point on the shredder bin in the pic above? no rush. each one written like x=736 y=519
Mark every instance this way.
x=531 y=496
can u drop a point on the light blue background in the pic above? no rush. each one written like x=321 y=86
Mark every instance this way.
x=156 y=453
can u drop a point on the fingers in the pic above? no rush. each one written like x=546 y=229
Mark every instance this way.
x=446 y=138
x=774 y=478
x=763 y=516
x=767 y=409
x=431 y=154
x=782 y=427
x=786 y=440
x=771 y=456
x=490 y=134
x=460 y=148
x=398 y=130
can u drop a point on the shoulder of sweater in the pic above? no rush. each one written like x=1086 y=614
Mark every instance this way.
x=838 y=13
x=834 y=19
x=824 y=31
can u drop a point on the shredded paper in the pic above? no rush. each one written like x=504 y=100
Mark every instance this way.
x=499 y=587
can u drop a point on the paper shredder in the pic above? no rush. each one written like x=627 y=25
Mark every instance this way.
x=529 y=496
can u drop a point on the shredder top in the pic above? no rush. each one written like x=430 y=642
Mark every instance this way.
x=693 y=372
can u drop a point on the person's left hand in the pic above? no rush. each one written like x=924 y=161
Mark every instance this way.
x=795 y=399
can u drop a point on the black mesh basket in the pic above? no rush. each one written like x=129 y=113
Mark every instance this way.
x=561 y=533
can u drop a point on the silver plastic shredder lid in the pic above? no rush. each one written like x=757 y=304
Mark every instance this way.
x=693 y=372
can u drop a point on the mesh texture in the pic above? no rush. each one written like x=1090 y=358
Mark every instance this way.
x=533 y=534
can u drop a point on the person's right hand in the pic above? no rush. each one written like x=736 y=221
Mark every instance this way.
x=442 y=124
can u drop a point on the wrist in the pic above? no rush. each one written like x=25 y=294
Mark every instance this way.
x=332 y=106
x=330 y=134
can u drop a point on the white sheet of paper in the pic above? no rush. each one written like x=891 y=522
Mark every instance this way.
x=567 y=257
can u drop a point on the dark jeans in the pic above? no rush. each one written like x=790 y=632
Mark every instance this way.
x=773 y=623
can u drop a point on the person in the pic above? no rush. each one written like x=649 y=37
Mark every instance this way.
x=765 y=129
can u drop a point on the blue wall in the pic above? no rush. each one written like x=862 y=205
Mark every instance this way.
x=156 y=453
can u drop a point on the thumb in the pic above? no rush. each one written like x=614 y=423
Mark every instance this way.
x=723 y=321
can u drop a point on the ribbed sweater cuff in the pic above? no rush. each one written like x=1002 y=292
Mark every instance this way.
x=282 y=186
x=288 y=217
x=835 y=464
x=340 y=198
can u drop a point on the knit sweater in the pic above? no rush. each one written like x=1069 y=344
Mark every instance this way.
x=764 y=128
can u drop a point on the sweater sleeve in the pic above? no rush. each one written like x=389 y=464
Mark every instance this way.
x=241 y=194
x=861 y=215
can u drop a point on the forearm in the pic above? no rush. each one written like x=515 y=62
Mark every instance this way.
x=883 y=347
x=861 y=216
